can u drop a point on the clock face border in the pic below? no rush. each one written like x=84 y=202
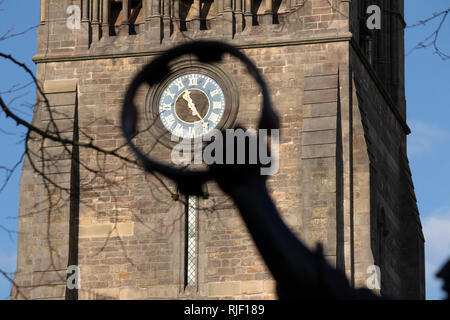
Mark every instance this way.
x=226 y=83
x=187 y=106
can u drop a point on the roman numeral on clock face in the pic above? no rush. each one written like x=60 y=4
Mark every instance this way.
x=193 y=80
x=214 y=93
x=213 y=117
x=166 y=106
x=170 y=120
x=179 y=84
x=217 y=104
x=178 y=130
x=170 y=94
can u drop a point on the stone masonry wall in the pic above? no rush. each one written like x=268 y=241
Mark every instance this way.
x=385 y=206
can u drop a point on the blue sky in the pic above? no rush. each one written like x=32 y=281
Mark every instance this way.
x=428 y=96
x=22 y=14
x=427 y=93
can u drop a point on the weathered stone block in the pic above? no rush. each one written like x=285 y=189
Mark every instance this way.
x=58 y=86
x=319 y=123
x=230 y=288
x=106 y=230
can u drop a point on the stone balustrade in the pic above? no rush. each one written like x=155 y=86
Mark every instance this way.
x=129 y=17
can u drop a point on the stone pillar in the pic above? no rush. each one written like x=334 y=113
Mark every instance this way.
x=248 y=15
x=155 y=21
x=105 y=18
x=96 y=30
x=145 y=10
x=43 y=10
x=228 y=23
x=216 y=24
x=39 y=199
x=42 y=28
x=166 y=21
x=290 y=5
x=267 y=17
x=219 y=6
x=125 y=23
x=176 y=15
x=95 y=11
x=269 y=6
x=85 y=10
x=147 y=14
x=195 y=22
x=239 y=16
x=84 y=37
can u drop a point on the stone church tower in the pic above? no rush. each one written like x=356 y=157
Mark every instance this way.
x=343 y=179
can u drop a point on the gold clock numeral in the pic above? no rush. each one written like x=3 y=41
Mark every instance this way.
x=206 y=82
x=217 y=105
x=213 y=117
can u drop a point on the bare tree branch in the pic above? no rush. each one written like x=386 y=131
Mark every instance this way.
x=433 y=39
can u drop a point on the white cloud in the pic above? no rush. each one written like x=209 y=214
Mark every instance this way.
x=436 y=228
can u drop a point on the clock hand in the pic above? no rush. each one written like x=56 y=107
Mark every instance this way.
x=195 y=112
x=191 y=105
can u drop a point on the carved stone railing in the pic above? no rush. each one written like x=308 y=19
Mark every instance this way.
x=128 y=17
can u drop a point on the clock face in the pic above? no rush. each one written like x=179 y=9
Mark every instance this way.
x=191 y=105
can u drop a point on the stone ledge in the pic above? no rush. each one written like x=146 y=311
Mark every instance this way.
x=319 y=151
x=104 y=230
x=320 y=96
x=58 y=86
x=320 y=82
x=43 y=58
x=319 y=124
x=318 y=137
x=230 y=288
x=320 y=110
